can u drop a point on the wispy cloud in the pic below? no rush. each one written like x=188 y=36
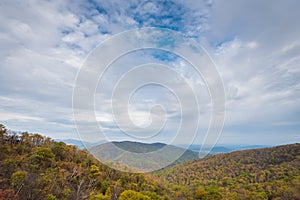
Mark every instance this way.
x=254 y=44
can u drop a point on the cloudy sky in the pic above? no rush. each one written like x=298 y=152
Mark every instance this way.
x=255 y=46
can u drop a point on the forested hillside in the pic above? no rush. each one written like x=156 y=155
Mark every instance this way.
x=35 y=167
x=269 y=173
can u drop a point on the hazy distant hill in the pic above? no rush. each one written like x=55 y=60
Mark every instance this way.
x=214 y=150
x=131 y=154
x=195 y=147
x=79 y=144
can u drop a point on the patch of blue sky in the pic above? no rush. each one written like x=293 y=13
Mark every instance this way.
x=74 y=46
x=167 y=15
x=103 y=31
x=97 y=5
x=169 y=22
x=164 y=56
x=67 y=31
x=218 y=44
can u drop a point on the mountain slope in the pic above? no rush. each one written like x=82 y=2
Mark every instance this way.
x=34 y=167
x=269 y=173
x=133 y=154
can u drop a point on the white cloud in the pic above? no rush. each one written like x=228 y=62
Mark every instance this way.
x=255 y=45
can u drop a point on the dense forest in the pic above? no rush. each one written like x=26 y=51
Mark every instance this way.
x=38 y=168
x=269 y=173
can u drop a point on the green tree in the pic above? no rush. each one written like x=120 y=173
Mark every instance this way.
x=132 y=195
x=50 y=197
x=99 y=197
x=17 y=179
x=108 y=192
x=104 y=185
x=60 y=150
x=42 y=157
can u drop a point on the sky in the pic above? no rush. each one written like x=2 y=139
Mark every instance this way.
x=255 y=46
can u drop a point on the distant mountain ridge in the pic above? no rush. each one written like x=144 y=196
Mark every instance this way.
x=133 y=154
x=194 y=147
x=80 y=144
x=138 y=147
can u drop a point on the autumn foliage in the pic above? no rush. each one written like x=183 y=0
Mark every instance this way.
x=33 y=167
x=38 y=168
